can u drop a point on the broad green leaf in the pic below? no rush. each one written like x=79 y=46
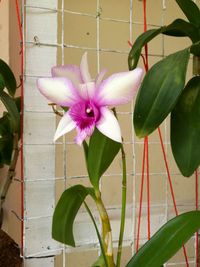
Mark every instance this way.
x=85 y=149
x=6 y=149
x=101 y=152
x=182 y=28
x=6 y=140
x=18 y=103
x=141 y=41
x=66 y=211
x=178 y=27
x=195 y=49
x=2 y=83
x=167 y=241
x=191 y=11
x=11 y=107
x=9 y=78
x=159 y=92
x=185 y=128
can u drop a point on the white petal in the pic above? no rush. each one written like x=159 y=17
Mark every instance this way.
x=58 y=90
x=85 y=69
x=87 y=90
x=99 y=77
x=65 y=125
x=109 y=126
x=72 y=72
x=120 y=88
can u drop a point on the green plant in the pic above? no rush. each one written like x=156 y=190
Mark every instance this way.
x=164 y=92
x=9 y=129
x=86 y=102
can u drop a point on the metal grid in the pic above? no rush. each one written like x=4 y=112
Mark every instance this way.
x=35 y=110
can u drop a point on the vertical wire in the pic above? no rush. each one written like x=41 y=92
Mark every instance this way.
x=98 y=65
x=98 y=36
x=146 y=138
x=164 y=7
x=64 y=136
x=133 y=215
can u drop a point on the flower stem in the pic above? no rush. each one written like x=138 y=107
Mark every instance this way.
x=106 y=229
x=123 y=210
x=98 y=234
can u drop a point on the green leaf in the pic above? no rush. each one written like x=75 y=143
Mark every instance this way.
x=9 y=78
x=102 y=258
x=66 y=211
x=2 y=83
x=18 y=103
x=11 y=107
x=182 y=28
x=179 y=27
x=167 y=241
x=159 y=92
x=6 y=140
x=141 y=41
x=100 y=262
x=195 y=49
x=185 y=128
x=191 y=11
x=101 y=152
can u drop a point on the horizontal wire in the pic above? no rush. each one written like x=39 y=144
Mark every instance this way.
x=90 y=15
x=111 y=209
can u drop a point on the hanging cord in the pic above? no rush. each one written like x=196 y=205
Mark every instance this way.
x=141 y=197
x=171 y=188
x=22 y=117
x=146 y=64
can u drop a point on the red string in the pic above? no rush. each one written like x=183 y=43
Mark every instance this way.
x=141 y=197
x=21 y=121
x=197 y=207
x=148 y=191
x=146 y=64
x=171 y=188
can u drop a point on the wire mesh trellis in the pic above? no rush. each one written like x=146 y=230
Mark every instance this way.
x=58 y=32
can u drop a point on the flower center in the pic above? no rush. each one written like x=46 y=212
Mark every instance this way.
x=85 y=114
x=89 y=111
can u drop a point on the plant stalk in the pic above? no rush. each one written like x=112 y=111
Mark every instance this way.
x=123 y=210
x=106 y=229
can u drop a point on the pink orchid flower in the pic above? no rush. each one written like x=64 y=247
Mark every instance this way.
x=88 y=100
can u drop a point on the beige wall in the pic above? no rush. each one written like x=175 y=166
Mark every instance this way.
x=4 y=30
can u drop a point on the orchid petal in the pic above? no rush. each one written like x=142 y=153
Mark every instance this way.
x=99 y=77
x=65 y=125
x=87 y=90
x=85 y=69
x=108 y=125
x=72 y=72
x=119 y=88
x=58 y=90
x=82 y=134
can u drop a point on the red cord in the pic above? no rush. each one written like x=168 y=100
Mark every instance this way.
x=146 y=138
x=197 y=207
x=171 y=188
x=148 y=191
x=141 y=196
x=21 y=121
